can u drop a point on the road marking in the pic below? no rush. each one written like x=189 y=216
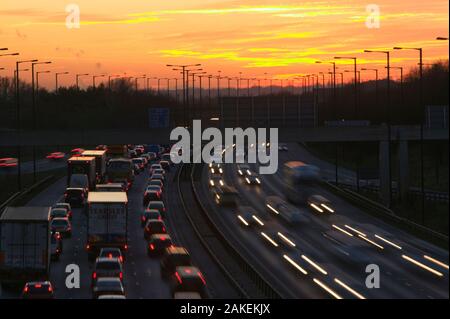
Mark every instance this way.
x=354 y=292
x=327 y=289
x=388 y=242
x=417 y=263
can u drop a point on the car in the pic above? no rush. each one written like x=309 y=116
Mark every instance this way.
x=76 y=152
x=215 y=168
x=152 y=156
x=156 y=182
x=188 y=278
x=154 y=188
x=320 y=204
x=101 y=147
x=157 y=176
x=157 y=243
x=216 y=180
x=146 y=158
x=111 y=253
x=248 y=216
x=151 y=196
x=150 y=214
x=165 y=165
x=75 y=196
x=62 y=226
x=186 y=295
x=159 y=171
x=59 y=213
x=55 y=245
x=155 y=166
x=110 y=187
x=174 y=257
x=140 y=162
x=243 y=170
x=56 y=156
x=159 y=205
x=226 y=196
x=107 y=267
x=38 y=290
x=154 y=226
x=8 y=162
x=108 y=286
x=132 y=154
x=253 y=179
x=64 y=205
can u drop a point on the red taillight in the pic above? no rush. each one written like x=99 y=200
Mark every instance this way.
x=94 y=275
x=25 y=289
x=201 y=277
x=125 y=247
x=121 y=275
x=152 y=247
x=164 y=229
x=163 y=238
x=121 y=259
x=88 y=246
x=50 y=289
x=177 y=275
x=188 y=271
x=110 y=256
x=38 y=286
x=143 y=218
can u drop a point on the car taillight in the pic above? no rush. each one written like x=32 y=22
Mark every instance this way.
x=38 y=286
x=143 y=218
x=50 y=289
x=164 y=229
x=94 y=275
x=152 y=247
x=121 y=275
x=125 y=247
x=110 y=256
x=88 y=246
x=25 y=289
x=121 y=259
x=177 y=275
x=201 y=277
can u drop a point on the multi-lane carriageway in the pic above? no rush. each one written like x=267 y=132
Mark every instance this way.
x=328 y=261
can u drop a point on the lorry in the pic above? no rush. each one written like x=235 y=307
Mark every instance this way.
x=289 y=213
x=25 y=241
x=120 y=170
x=301 y=181
x=118 y=150
x=81 y=165
x=107 y=224
x=100 y=163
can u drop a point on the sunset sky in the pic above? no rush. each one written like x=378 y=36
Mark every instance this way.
x=280 y=38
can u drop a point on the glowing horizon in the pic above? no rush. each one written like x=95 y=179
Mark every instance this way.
x=253 y=37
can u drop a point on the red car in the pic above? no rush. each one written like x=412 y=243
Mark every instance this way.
x=8 y=162
x=56 y=156
x=76 y=152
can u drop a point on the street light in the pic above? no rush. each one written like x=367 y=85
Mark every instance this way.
x=401 y=81
x=109 y=79
x=376 y=83
x=442 y=38
x=94 y=77
x=56 y=79
x=9 y=54
x=388 y=116
x=355 y=81
x=77 y=79
x=143 y=76
x=37 y=79
x=19 y=166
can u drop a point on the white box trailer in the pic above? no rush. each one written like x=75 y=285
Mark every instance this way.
x=107 y=221
x=24 y=244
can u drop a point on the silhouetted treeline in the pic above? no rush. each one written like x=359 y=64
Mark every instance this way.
x=121 y=106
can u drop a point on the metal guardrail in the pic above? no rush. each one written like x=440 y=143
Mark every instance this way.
x=385 y=213
x=26 y=191
x=241 y=274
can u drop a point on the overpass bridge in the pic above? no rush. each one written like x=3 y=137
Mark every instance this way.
x=399 y=134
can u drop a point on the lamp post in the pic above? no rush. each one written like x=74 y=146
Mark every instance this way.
x=376 y=83
x=56 y=79
x=355 y=82
x=183 y=69
x=388 y=117
x=94 y=77
x=19 y=165
x=333 y=84
x=401 y=82
x=77 y=76
x=109 y=80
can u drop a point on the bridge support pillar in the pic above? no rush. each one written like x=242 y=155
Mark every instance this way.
x=403 y=171
x=383 y=157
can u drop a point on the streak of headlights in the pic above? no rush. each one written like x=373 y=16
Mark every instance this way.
x=419 y=264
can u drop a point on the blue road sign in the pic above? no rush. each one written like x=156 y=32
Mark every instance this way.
x=158 y=117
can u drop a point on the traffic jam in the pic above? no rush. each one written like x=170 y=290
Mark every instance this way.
x=98 y=183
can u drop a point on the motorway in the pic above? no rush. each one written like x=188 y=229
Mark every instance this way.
x=342 y=252
x=142 y=277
